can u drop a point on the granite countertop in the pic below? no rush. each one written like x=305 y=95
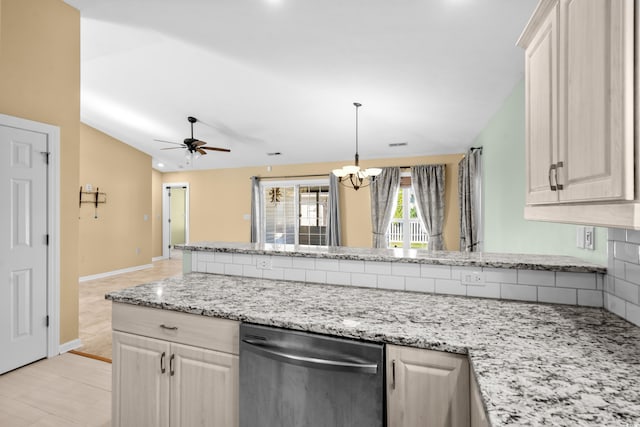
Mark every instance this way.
x=536 y=364
x=455 y=258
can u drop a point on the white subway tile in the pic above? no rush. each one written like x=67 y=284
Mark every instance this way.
x=304 y=263
x=518 y=292
x=201 y=267
x=251 y=271
x=205 y=256
x=610 y=259
x=377 y=267
x=327 y=264
x=558 y=295
x=391 y=282
x=435 y=271
x=351 y=266
x=450 y=287
x=295 y=274
x=609 y=284
x=458 y=272
x=365 y=280
x=338 y=278
x=536 y=278
x=232 y=269
x=194 y=261
x=242 y=259
x=633 y=236
x=273 y=274
x=486 y=290
x=281 y=261
x=590 y=298
x=576 y=280
x=626 y=252
x=405 y=269
x=223 y=258
x=500 y=275
x=619 y=234
x=615 y=305
x=619 y=269
x=420 y=284
x=316 y=276
x=214 y=268
x=632 y=273
x=633 y=313
x=625 y=290
x=600 y=278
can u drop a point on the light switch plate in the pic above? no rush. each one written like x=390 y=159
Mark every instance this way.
x=580 y=236
x=589 y=238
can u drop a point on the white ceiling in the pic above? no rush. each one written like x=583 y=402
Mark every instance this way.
x=282 y=75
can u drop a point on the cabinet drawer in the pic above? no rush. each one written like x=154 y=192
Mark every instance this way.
x=191 y=329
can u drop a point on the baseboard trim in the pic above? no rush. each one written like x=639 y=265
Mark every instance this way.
x=114 y=273
x=70 y=345
x=158 y=258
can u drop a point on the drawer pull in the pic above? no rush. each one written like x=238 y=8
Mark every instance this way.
x=170 y=328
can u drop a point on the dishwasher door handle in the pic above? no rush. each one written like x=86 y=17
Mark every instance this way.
x=281 y=354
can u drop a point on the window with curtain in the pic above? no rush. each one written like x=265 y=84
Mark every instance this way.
x=405 y=229
x=295 y=213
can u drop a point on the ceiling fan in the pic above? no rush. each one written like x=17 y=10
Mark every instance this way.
x=191 y=144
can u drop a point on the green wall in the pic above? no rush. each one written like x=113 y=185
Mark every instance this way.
x=503 y=142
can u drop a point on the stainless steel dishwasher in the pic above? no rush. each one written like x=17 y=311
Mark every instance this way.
x=296 y=379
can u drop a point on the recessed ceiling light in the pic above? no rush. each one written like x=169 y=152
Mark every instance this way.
x=398 y=144
x=160 y=165
x=275 y=153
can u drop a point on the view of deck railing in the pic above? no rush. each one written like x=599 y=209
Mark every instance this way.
x=418 y=237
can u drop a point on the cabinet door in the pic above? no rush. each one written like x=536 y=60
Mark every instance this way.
x=478 y=414
x=140 y=394
x=426 y=388
x=204 y=388
x=541 y=70
x=596 y=100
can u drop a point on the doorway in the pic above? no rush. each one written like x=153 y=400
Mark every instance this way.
x=175 y=214
x=29 y=257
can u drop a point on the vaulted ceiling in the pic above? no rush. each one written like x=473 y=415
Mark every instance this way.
x=266 y=76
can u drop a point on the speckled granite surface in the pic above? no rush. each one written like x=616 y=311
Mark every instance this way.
x=473 y=259
x=536 y=364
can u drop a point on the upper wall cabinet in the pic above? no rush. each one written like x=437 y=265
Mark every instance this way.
x=579 y=67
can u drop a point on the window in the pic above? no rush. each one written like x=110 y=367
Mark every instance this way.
x=295 y=213
x=406 y=229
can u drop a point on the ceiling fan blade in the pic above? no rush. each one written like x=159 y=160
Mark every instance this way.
x=225 y=150
x=172 y=148
x=201 y=151
x=199 y=143
x=167 y=142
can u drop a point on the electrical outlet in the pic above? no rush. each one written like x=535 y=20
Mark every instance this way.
x=589 y=238
x=264 y=264
x=473 y=278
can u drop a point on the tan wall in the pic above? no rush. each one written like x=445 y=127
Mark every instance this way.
x=156 y=213
x=219 y=199
x=120 y=236
x=40 y=81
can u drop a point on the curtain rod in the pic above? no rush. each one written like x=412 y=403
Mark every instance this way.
x=292 y=176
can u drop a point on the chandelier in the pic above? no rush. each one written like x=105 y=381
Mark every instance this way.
x=351 y=175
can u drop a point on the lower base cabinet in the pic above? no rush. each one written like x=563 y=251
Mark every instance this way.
x=161 y=383
x=478 y=414
x=427 y=388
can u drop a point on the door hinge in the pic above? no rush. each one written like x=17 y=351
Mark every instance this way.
x=169 y=220
x=47 y=320
x=46 y=155
x=46 y=239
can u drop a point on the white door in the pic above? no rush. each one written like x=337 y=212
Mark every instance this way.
x=23 y=247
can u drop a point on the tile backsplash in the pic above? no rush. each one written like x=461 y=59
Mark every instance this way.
x=622 y=282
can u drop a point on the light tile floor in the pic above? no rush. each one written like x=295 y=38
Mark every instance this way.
x=67 y=390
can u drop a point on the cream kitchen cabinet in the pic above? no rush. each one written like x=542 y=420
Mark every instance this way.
x=173 y=369
x=579 y=85
x=478 y=414
x=426 y=388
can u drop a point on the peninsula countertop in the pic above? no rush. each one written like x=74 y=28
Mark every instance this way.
x=454 y=258
x=536 y=364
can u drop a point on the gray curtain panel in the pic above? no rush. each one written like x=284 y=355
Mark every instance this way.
x=255 y=209
x=428 y=186
x=384 y=191
x=469 y=187
x=334 y=237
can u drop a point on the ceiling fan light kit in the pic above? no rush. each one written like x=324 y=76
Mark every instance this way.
x=352 y=176
x=195 y=147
